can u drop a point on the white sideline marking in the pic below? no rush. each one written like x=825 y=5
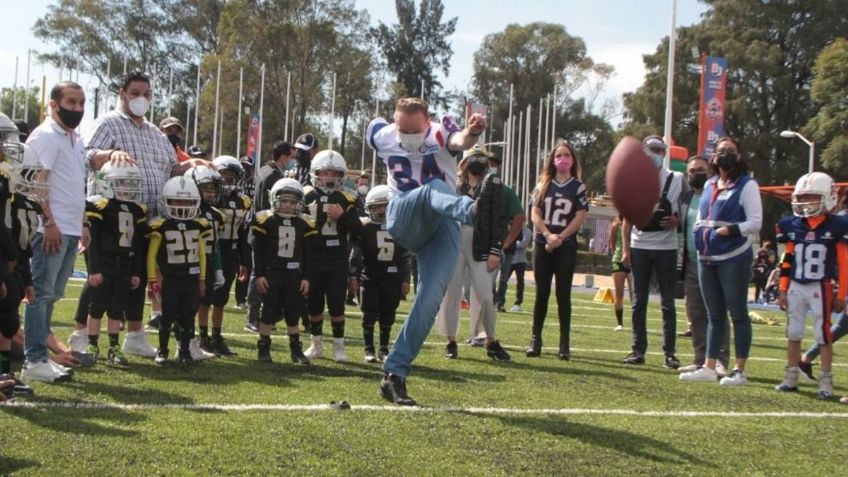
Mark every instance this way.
x=389 y=408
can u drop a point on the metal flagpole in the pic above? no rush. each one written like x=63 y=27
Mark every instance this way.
x=258 y=161
x=374 y=153
x=196 y=104
x=422 y=89
x=516 y=169
x=553 y=117
x=332 y=114
x=239 y=113
x=669 y=92
x=170 y=89
x=152 y=110
x=539 y=153
x=188 y=121
x=528 y=162
x=547 y=121
x=125 y=66
x=508 y=132
x=215 y=119
x=26 y=95
x=108 y=84
x=288 y=96
x=15 y=92
x=221 y=135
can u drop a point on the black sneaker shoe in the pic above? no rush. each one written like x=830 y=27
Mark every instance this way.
x=252 y=327
x=297 y=355
x=219 y=346
x=495 y=351
x=350 y=302
x=154 y=322
x=21 y=389
x=489 y=206
x=685 y=334
x=382 y=353
x=161 y=357
x=564 y=354
x=671 y=362
x=370 y=355
x=806 y=370
x=264 y=350
x=185 y=357
x=393 y=389
x=501 y=308
x=635 y=358
x=206 y=344
x=535 y=348
x=451 y=350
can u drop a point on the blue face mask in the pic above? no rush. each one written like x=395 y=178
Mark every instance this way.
x=658 y=159
x=291 y=164
x=493 y=170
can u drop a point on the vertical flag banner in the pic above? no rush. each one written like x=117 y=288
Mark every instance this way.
x=713 y=103
x=253 y=138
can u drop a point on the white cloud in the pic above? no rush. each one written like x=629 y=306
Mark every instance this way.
x=627 y=60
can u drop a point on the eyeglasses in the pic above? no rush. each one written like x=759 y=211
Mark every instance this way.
x=726 y=150
x=482 y=159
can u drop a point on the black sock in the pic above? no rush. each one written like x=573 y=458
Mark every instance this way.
x=5 y=362
x=338 y=328
x=385 y=334
x=316 y=328
x=204 y=331
x=186 y=334
x=618 y=316
x=216 y=331
x=164 y=336
x=113 y=339
x=294 y=339
x=368 y=335
x=93 y=339
x=264 y=338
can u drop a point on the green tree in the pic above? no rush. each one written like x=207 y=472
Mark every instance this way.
x=417 y=47
x=829 y=127
x=33 y=119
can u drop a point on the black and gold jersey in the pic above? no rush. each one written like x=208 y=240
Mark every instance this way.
x=8 y=249
x=215 y=219
x=331 y=245
x=21 y=219
x=117 y=232
x=178 y=247
x=281 y=243
x=376 y=257
x=234 y=210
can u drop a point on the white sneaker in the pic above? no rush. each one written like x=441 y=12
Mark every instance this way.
x=701 y=375
x=135 y=343
x=619 y=328
x=197 y=353
x=688 y=369
x=515 y=309
x=42 y=371
x=735 y=378
x=78 y=340
x=825 y=385
x=59 y=368
x=316 y=350
x=720 y=369
x=790 y=380
x=339 y=353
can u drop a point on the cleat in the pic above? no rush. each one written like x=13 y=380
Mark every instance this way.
x=382 y=353
x=339 y=353
x=263 y=350
x=297 y=356
x=564 y=354
x=671 y=362
x=495 y=351
x=219 y=346
x=161 y=357
x=196 y=352
x=370 y=355
x=476 y=342
x=806 y=370
x=116 y=357
x=790 y=380
x=135 y=343
x=535 y=348
x=185 y=358
x=154 y=322
x=205 y=344
x=634 y=358
x=316 y=350
x=393 y=389
x=825 y=385
x=94 y=351
x=251 y=327
x=451 y=350
x=22 y=389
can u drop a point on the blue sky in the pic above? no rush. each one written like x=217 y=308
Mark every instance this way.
x=616 y=32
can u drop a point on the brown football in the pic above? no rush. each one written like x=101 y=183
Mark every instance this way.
x=633 y=182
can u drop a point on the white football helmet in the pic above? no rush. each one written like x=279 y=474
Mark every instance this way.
x=122 y=182
x=223 y=164
x=377 y=196
x=10 y=140
x=328 y=161
x=286 y=197
x=180 y=188
x=30 y=177
x=814 y=183
x=208 y=182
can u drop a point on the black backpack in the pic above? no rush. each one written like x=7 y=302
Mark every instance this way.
x=662 y=209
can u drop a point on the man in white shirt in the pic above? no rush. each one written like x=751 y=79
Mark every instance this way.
x=55 y=244
x=423 y=216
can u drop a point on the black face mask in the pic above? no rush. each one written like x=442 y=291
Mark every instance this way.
x=727 y=161
x=175 y=139
x=698 y=180
x=476 y=168
x=70 y=118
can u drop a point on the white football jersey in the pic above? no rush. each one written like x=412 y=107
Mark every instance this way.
x=406 y=170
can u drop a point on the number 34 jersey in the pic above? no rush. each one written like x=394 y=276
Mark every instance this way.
x=812 y=250
x=178 y=247
x=559 y=206
x=281 y=243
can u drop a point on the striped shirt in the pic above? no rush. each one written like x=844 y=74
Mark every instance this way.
x=151 y=149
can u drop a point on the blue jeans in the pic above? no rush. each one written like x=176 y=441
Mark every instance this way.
x=663 y=265
x=725 y=289
x=424 y=221
x=50 y=274
x=838 y=330
x=503 y=276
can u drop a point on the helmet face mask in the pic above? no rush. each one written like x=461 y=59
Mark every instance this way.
x=126 y=189
x=329 y=180
x=181 y=209
x=807 y=205
x=208 y=183
x=287 y=204
x=180 y=199
x=328 y=171
x=229 y=181
x=815 y=194
x=376 y=203
x=121 y=182
x=230 y=172
x=32 y=184
x=377 y=212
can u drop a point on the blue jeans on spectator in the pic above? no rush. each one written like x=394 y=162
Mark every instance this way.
x=663 y=265
x=503 y=276
x=725 y=289
x=424 y=221
x=50 y=274
x=838 y=330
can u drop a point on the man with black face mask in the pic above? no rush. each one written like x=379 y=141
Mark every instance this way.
x=306 y=147
x=172 y=128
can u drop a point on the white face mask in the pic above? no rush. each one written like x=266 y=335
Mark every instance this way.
x=493 y=170
x=139 y=106
x=362 y=189
x=411 y=142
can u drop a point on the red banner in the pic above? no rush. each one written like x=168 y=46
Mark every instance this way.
x=713 y=103
x=253 y=139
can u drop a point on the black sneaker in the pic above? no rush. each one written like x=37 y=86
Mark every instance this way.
x=451 y=350
x=806 y=370
x=489 y=206
x=495 y=351
x=685 y=334
x=501 y=308
x=21 y=389
x=185 y=357
x=219 y=346
x=297 y=355
x=350 y=302
x=206 y=344
x=252 y=327
x=393 y=389
x=161 y=357
x=154 y=322
x=535 y=348
x=382 y=353
x=635 y=358
x=370 y=355
x=564 y=354
x=264 y=350
x=671 y=362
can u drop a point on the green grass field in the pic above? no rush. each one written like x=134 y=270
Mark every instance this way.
x=589 y=416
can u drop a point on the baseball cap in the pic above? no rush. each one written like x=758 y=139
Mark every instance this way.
x=654 y=141
x=306 y=142
x=170 y=121
x=477 y=150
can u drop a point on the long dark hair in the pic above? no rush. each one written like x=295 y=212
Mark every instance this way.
x=741 y=165
x=549 y=169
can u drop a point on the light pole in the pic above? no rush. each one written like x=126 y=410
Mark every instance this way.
x=792 y=134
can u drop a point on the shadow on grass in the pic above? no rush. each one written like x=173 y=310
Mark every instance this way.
x=625 y=442
x=10 y=465
x=617 y=364
x=81 y=420
x=565 y=369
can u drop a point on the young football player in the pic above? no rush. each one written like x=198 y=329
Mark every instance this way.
x=115 y=258
x=208 y=183
x=816 y=254
x=333 y=209
x=177 y=252
x=381 y=268
x=282 y=242
x=232 y=243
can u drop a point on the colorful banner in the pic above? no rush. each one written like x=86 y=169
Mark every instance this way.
x=253 y=139
x=713 y=103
